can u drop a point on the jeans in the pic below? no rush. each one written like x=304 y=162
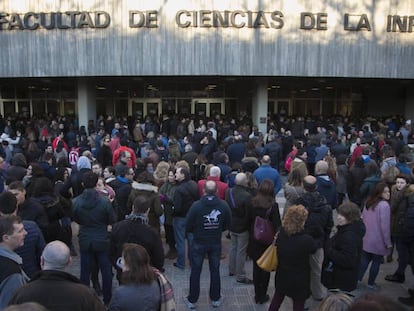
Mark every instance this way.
x=366 y=258
x=199 y=251
x=179 y=235
x=105 y=267
x=237 y=254
x=403 y=255
x=316 y=261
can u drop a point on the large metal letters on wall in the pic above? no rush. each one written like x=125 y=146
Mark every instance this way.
x=341 y=38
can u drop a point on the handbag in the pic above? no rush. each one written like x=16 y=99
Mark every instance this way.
x=263 y=230
x=269 y=260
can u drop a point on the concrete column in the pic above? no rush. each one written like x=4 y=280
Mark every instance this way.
x=409 y=104
x=259 y=105
x=86 y=101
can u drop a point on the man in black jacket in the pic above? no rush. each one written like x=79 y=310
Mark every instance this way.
x=68 y=292
x=184 y=196
x=318 y=225
x=239 y=200
x=135 y=229
x=94 y=213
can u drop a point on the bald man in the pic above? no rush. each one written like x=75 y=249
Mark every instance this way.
x=56 y=289
x=319 y=225
x=207 y=219
x=265 y=171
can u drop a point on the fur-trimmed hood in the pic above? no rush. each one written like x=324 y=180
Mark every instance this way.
x=144 y=187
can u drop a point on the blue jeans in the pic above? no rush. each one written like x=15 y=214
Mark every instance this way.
x=199 y=252
x=179 y=235
x=366 y=258
x=106 y=270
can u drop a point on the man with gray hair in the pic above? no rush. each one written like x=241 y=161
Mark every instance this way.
x=214 y=174
x=239 y=200
x=68 y=292
x=325 y=185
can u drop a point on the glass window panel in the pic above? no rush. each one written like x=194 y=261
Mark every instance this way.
x=39 y=107
x=299 y=107
x=152 y=109
x=168 y=106
x=215 y=108
x=328 y=107
x=313 y=107
x=69 y=107
x=9 y=108
x=24 y=108
x=184 y=106
x=200 y=109
x=138 y=109
x=121 y=107
x=53 y=106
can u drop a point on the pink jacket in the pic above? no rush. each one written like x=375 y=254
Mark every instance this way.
x=377 y=222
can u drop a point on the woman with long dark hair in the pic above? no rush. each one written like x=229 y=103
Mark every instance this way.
x=139 y=288
x=167 y=191
x=265 y=206
x=377 y=239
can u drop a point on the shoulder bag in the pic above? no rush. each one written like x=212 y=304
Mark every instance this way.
x=263 y=230
x=269 y=260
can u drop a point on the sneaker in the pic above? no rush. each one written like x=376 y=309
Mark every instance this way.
x=245 y=281
x=217 y=303
x=177 y=266
x=189 y=304
x=373 y=287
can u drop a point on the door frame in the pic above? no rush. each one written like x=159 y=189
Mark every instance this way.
x=145 y=102
x=208 y=102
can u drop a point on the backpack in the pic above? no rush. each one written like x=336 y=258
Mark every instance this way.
x=74 y=155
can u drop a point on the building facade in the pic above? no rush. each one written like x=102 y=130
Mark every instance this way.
x=234 y=57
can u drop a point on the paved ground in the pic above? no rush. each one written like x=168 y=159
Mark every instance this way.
x=241 y=297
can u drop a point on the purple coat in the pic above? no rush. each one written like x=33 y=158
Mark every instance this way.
x=377 y=222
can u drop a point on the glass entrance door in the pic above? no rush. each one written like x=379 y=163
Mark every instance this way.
x=280 y=106
x=208 y=107
x=141 y=107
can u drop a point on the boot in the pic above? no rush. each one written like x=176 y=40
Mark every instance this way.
x=398 y=278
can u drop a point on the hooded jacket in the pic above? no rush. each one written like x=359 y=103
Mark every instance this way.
x=151 y=193
x=320 y=222
x=12 y=276
x=207 y=219
x=93 y=213
x=327 y=188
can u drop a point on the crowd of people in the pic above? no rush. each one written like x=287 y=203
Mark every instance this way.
x=131 y=183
